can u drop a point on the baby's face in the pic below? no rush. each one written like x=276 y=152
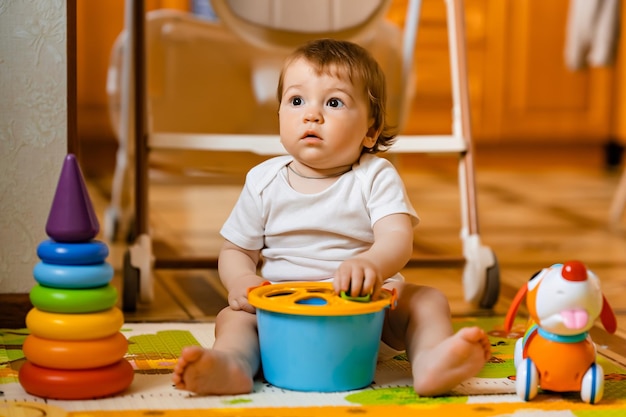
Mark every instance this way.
x=324 y=119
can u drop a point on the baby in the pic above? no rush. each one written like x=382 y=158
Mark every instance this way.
x=330 y=210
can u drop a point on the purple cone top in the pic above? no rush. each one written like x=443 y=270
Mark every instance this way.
x=72 y=218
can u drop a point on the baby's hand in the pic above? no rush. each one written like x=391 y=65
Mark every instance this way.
x=240 y=303
x=358 y=277
x=238 y=300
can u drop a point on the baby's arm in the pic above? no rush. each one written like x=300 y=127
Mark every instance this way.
x=390 y=252
x=237 y=268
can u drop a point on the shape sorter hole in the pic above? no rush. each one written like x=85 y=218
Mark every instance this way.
x=279 y=294
x=313 y=301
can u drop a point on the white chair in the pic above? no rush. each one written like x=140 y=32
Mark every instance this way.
x=196 y=69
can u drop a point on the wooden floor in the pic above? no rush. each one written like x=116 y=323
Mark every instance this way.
x=536 y=207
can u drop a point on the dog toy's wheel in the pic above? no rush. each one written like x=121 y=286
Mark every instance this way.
x=592 y=387
x=527 y=380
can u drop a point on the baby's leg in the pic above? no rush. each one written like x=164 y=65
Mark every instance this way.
x=229 y=367
x=440 y=359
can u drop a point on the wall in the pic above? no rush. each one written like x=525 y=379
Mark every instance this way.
x=33 y=130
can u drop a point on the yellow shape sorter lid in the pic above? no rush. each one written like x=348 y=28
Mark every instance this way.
x=313 y=299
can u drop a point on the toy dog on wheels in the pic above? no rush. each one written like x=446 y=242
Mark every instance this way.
x=556 y=352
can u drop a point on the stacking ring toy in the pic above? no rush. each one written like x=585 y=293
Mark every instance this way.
x=73 y=276
x=81 y=253
x=64 y=300
x=63 y=384
x=75 y=354
x=87 y=326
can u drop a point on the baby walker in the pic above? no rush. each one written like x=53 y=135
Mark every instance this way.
x=481 y=275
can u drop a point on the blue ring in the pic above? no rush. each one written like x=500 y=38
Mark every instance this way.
x=82 y=253
x=73 y=276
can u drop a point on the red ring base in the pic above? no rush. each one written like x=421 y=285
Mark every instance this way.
x=63 y=384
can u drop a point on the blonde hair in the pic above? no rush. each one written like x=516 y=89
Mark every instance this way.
x=351 y=60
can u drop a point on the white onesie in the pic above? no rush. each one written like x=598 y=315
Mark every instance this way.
x=304 y=237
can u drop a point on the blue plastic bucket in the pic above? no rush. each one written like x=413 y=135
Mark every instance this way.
x=312 y=340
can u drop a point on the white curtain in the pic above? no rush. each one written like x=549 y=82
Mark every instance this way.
x=592 y=33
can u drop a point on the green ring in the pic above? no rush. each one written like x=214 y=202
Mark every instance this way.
x=64 y=300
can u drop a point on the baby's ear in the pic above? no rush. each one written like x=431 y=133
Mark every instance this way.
x=371 y=137
x=369 y=142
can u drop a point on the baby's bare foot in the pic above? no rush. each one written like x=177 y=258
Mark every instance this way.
x=454 y=360
x=209 y=371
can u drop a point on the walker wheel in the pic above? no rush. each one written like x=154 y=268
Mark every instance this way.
x=130 y=285
x=481 y=274
x=492 y=285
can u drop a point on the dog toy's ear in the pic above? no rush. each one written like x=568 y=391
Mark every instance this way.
x=517 y=301
x=607 y=316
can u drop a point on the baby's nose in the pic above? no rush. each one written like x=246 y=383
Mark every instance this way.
x=311 y=118
x=312 y=115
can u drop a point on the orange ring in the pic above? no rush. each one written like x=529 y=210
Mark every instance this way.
x=75 y=354
x=63 y=384
x=86 y=326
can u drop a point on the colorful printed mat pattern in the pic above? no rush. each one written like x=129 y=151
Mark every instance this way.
x=154 y=349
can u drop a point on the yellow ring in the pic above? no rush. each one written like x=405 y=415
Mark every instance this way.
x=74 y=326
x=75 y=354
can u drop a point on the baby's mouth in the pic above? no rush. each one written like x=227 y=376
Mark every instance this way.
x=310 y=135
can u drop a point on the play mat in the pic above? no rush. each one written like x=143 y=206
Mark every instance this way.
x=154 y=348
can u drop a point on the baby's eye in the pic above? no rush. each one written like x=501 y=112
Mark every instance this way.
x=335 y=102
x=297 y=101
